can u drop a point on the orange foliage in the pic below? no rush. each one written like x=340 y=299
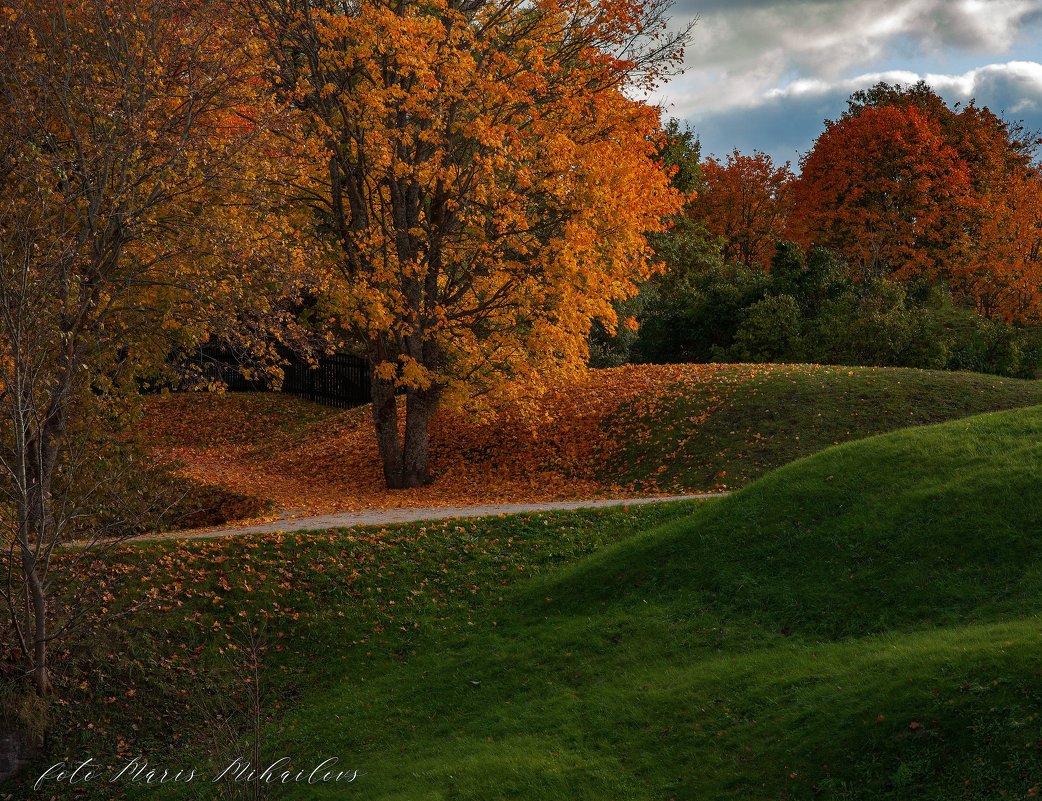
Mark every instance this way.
x=745 y=202
x=483 y=177
x=903 y=185
x=886 y=190
x=1005 y=276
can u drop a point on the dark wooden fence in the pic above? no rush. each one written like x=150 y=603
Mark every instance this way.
x=339 y=380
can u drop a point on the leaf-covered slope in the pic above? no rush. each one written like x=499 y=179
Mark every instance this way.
x=637 y=429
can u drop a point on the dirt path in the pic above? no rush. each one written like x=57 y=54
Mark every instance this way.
x=393 y=516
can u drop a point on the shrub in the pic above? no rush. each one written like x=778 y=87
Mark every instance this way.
x=808 y=309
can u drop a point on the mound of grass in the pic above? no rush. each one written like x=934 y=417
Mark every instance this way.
x=785 y=412
x=860 y=624
x=260 y=420
x=642 y=429
x=863 y=624
x=170 y=683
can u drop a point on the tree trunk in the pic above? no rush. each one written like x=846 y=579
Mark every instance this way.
x=38 y=596
x=418 y=411
x=34 y=539
x=385 y=419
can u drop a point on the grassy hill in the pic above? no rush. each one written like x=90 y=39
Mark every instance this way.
x=773 y=416
x=861 y=624
x=638 y=429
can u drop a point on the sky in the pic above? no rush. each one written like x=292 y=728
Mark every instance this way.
x=765 y=75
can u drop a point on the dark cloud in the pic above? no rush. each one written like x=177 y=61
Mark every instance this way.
x=786 y=123
x=741 y=50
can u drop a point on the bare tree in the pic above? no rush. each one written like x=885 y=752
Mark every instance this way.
x=236 y=720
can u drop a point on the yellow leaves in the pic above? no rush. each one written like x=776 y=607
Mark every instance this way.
x=387 y=371
x=414 y=375
x=502 y=185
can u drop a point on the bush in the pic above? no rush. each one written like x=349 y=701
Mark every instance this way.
x=771 y=331
x=874 y=325
x=693 y=320
x=807 y=309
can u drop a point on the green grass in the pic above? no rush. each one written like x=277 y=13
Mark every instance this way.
x=786 y=412
x=863 y=624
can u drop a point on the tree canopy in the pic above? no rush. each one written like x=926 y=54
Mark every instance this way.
x=482 y=180
x=905 y=185
x=745 y=201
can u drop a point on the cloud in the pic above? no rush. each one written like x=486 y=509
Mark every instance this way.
x=742 y=50
x=785 y=121
x=784 y=128
x=1004 y=88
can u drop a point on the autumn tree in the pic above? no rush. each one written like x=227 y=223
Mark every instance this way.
x=745 y=201
x=120 y=124
x=984 y=194
x=887 y=190
x=1005 y=276
x=990 y=146
x=483 y=179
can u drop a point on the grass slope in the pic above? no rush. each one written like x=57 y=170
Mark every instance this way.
x=639 y=429
x=774 y=416
x=861 y=624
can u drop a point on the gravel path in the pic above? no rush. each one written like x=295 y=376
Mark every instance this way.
x=391 y=516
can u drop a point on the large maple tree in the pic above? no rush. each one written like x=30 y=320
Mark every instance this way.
x=483 y=179
x=885 y=189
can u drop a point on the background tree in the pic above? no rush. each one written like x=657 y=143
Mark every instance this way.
x=482 y=182
x=1005 y=277
x=745 y=202
x=123 y=124
x=886 y=190
x=994 y=267
x=927 y=271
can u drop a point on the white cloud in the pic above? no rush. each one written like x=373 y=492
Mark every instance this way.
x=1003 y=87
x=785 y=121
x=743 y=52
x=986 y=24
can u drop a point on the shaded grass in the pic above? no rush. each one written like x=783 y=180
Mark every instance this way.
x=861 y=624
x=193 y=504
x=790 y=411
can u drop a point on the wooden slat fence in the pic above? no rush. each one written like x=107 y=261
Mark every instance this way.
x=340 y=380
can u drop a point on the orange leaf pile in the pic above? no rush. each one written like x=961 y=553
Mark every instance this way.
x=312 y=459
